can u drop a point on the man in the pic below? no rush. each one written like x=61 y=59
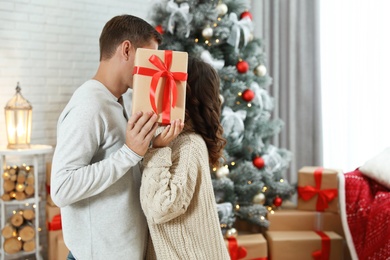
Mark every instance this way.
x=95 y=176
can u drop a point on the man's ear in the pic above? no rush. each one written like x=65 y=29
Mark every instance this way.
x=126 y=49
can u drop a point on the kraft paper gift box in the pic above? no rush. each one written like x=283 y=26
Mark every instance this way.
x=304 y=245
x=247 y=246
x=300 y=220
x=318 y=189
x=159 y=83
x=48 y=178
x=54 y=229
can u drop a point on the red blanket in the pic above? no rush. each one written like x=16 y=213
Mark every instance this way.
x=365 y=211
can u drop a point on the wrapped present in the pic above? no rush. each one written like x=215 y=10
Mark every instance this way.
x=47 y=184
x=304 y=245
x=247 y=246
x=300 y=220
x=159 y=83
x=318 y=189
x=54 y=229
x=61 y=250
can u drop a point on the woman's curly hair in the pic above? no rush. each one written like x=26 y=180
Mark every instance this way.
x=203 y=107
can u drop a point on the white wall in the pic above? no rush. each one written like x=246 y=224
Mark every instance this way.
x=51 y=47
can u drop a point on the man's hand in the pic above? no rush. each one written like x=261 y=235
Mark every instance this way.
x=170 y=132
x=140 y=130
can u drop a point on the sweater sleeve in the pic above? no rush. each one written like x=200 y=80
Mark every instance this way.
x=168 y=182
x=75 y=176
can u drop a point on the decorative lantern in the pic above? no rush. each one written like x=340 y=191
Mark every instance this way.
x=18 y=113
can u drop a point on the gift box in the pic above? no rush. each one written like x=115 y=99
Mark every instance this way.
x=47 y=184
x=304 y=245
x=247 y=246
x=159 y=83
x=54 y=229
x=61 y=250
x=318 y=189
x=300 y=220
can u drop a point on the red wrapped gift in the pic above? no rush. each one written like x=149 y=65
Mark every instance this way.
x=247 y=247
x=159 y=83
x=304 y=245
x=318 y=189
x=301 y=220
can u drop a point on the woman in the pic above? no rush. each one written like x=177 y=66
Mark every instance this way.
x=176 y=192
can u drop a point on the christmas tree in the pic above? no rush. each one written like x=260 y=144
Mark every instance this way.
x=252 y=181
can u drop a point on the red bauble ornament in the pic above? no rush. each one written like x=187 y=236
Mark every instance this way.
x=258 y=162
x=248 y=95
x=242 y=66
x=160 y=29
x=246 y=14
x=278 y=201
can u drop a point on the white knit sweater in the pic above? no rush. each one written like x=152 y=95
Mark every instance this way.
x=178 y=200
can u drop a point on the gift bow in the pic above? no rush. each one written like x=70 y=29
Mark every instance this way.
x=55 y=224
x=184 y=10
x=324 y=196
x=236 y=252
x=324 y=252
x=245 y=25
x=170 y=86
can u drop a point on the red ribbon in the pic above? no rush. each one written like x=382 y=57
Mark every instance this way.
x=324 y=196
x=236 y=252
x=324 y=252
x=55 y=224
x=170 y=88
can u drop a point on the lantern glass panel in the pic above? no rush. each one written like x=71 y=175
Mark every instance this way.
x=18 y=118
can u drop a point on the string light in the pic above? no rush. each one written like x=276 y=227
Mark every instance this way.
x=237 y=207
x=233 y=163
x=281 y=180
x=249 y=105
x=249 y=182
x=265 y=189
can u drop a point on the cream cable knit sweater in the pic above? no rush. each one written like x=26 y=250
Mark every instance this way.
x=178 y=200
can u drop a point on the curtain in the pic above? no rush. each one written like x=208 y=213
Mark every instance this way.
x=355 y=58
x=290 y=32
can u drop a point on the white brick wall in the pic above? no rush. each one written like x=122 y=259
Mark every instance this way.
x=51 y=47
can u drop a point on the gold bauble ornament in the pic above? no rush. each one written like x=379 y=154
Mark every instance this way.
x=207 y=32
x=222 y=9
x=259 y=199
x=221 y=98
x=232 y=233
x=222 y=172
x=260 y=71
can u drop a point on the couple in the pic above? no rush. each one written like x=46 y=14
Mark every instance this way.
x=96 y=174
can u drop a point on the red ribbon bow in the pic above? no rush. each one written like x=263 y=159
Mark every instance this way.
x=235 y=251
x=324 y=252
x=324 y=196
x=55 y=224
x=170 y=87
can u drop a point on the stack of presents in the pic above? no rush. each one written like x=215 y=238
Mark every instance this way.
x=311 y=229
x=56 y=249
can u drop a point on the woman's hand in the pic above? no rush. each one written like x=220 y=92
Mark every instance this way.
x=170 y=132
